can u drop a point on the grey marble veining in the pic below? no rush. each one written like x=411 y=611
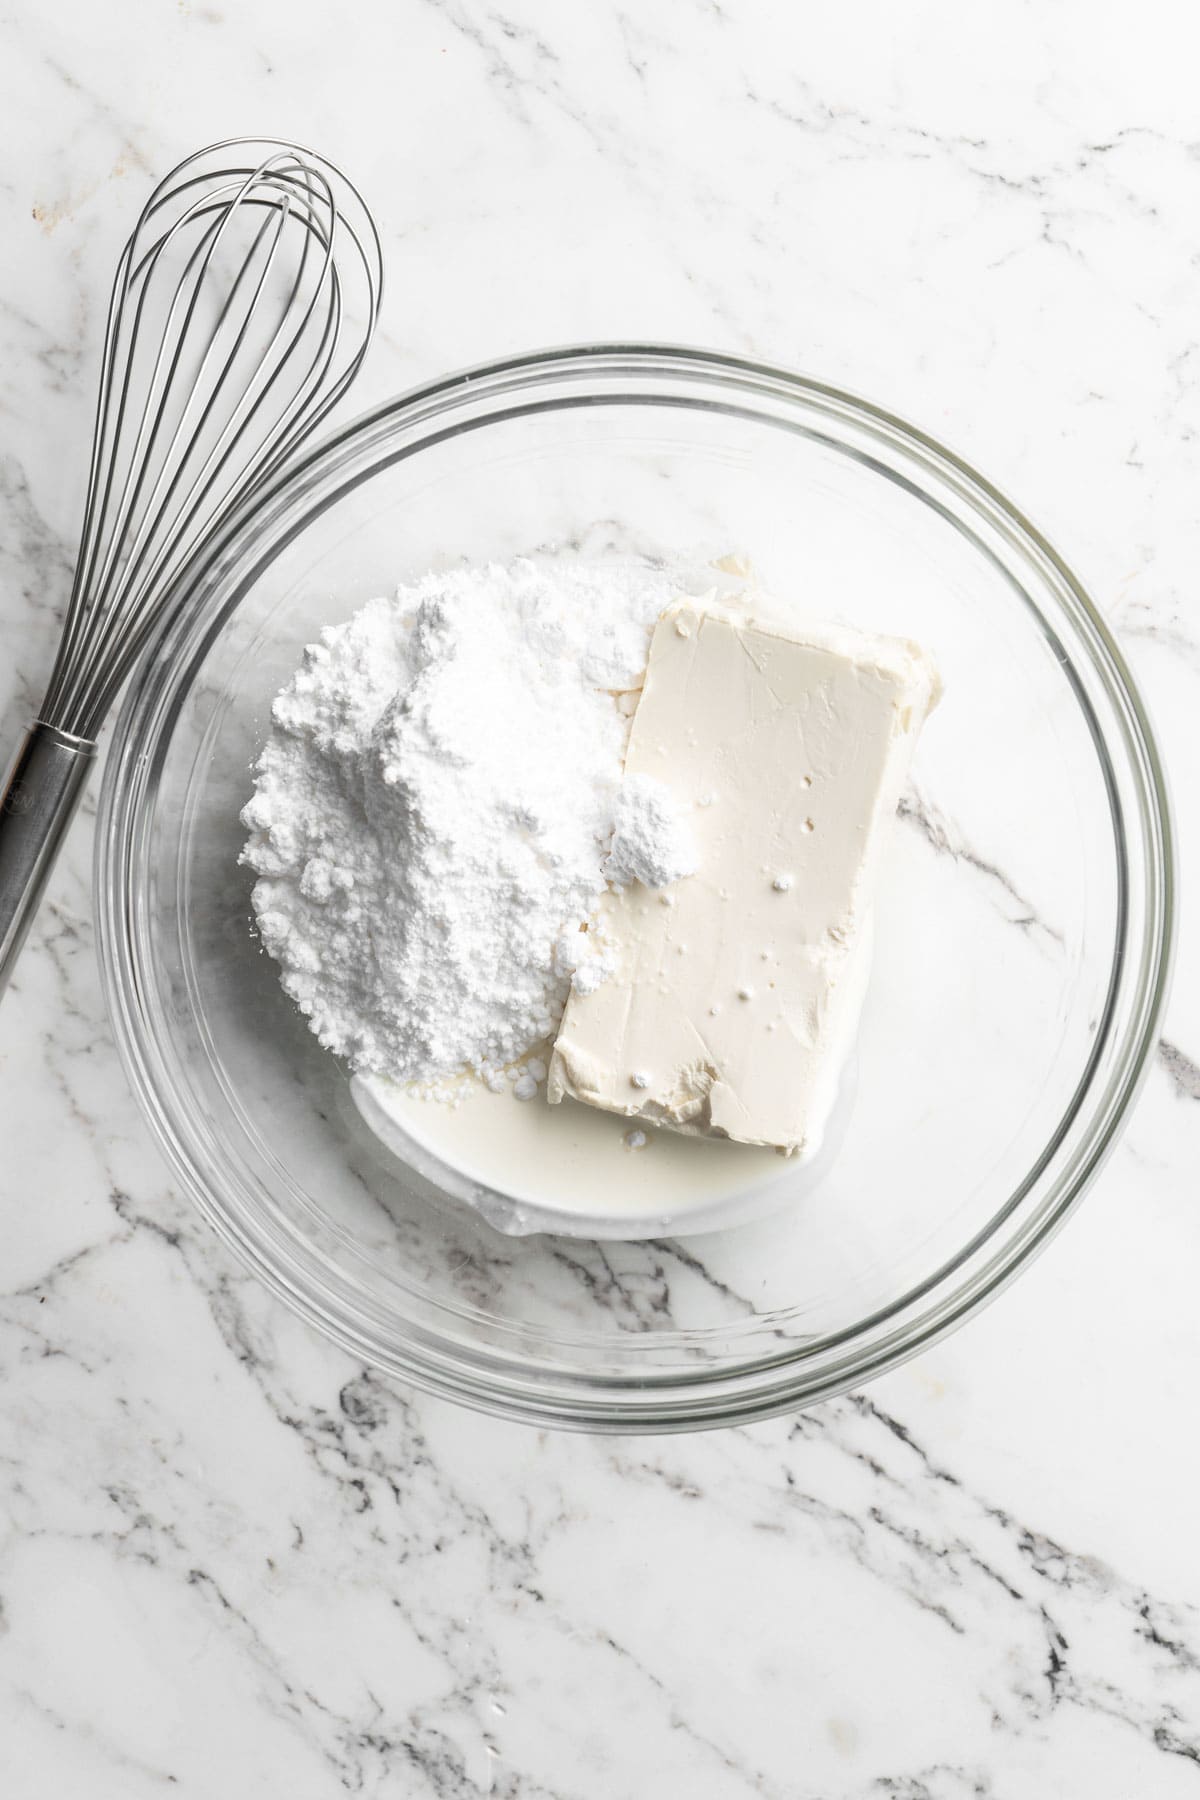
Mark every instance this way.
x=231 y=1560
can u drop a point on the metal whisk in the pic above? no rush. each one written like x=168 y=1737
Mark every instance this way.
x=242 y=309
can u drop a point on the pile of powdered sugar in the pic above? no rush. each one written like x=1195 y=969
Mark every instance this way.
x=433 y=816
x=651 y=842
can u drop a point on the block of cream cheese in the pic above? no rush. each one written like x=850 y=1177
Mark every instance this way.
x=728 y=1007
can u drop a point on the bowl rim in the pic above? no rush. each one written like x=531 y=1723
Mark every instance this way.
x=758 y=1386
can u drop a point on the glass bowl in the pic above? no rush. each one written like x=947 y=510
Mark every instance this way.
x=1022 y=932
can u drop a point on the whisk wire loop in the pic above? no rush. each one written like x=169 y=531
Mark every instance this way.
x=244 y=302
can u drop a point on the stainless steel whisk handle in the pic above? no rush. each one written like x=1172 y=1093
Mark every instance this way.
x=36 y=807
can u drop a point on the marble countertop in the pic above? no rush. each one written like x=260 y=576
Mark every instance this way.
x=232 y=1562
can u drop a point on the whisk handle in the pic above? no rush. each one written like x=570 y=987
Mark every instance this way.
x=36 y=807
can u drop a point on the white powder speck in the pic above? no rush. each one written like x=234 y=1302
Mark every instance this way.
x=635 y=1139
x=589 y=976
x=432 y=825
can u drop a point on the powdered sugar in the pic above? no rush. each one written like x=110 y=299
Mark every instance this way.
x=434 y=810
x=651 y=841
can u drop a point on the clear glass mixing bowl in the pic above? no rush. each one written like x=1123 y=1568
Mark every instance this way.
x=1022 y=935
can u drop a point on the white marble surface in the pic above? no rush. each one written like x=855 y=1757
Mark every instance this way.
x=231 y=1562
